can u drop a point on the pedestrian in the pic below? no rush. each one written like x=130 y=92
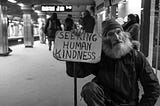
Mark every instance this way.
x=88 y=22
x=69 y=23
x=118 y=72
x=41 y=32
x=52 y=26
x=133 y=27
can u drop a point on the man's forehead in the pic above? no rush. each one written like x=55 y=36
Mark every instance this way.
x=112 y=30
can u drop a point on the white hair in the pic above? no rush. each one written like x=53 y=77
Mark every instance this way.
x=120 y=49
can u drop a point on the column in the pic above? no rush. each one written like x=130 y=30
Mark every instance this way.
x=28 y=26
x=151 y=31
x=3 y=29
x=147 y=28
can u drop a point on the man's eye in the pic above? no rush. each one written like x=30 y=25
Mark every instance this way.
x=110 y=34
x=118 y=31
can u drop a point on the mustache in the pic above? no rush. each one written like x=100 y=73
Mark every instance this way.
x=118 y=50
x=115 y=42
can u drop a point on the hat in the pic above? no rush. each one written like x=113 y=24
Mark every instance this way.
x=108 y=25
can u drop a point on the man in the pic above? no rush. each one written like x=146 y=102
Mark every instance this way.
x=88 y=22
x=52 y=26
x=117 y=74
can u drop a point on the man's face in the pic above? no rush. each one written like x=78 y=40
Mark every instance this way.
x=114 y=37
x=116 y=43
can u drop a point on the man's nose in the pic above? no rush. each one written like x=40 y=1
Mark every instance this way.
x=116 y=36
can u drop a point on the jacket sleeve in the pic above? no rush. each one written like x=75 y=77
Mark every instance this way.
x=82 y=69
x=149 y=82
x=46 y=26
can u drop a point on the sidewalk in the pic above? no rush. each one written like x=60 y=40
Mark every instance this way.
x=32 y=77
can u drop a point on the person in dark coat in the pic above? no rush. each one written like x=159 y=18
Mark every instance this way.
x=88 y=22
x=52 y=25
x=69 y=23
x=118 y=72
x=132 y=26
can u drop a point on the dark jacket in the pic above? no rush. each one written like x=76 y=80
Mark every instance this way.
x=68 y=24
x=51 y=27
x=88 y=23
x=119 y=78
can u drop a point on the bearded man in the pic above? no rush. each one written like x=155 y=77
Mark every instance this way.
x=118 y=73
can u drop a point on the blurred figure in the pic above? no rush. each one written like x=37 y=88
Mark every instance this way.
x=52 y=25
x=133 y=27
x=69 y=23
x=88 y=22
x=41 y=32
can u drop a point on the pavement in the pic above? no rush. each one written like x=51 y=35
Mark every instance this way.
x=32 y=77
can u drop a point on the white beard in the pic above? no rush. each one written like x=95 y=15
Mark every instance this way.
x=118 y=50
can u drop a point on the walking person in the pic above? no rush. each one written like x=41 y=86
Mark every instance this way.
x=52 y=25
x=41 y=32
x=118 y=72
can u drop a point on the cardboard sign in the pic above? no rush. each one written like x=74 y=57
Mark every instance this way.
x=83 y=48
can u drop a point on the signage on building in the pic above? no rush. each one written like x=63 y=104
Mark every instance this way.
x=111 y=2
x=83 y=48
x=56 y=8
